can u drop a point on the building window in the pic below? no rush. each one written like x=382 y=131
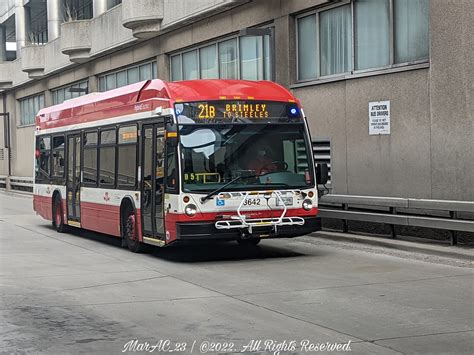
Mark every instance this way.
x=372 y=34
x=246 y=57
x=38 y=29
x=361 y=35
x=208 y=62
x=411 y=23
x=113 y=3
x=78 y=10
x=228 y=60
x=29 y=108
x=127 y=76
x=190 y=65
x=62 y=94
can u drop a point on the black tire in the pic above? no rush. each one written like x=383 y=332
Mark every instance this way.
x=58 y=215
x=249 y=242
x=129 y=231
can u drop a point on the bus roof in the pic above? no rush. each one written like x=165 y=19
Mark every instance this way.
x=147 y=95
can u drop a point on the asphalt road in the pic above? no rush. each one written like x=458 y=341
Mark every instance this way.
x=81 y=293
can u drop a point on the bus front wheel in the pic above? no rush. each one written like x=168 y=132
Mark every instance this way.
x=58 y=216
x=130 y=232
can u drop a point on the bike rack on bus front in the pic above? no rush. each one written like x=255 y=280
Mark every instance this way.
x=241 y=221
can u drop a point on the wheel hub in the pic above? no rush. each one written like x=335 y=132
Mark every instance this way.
x=130 y=228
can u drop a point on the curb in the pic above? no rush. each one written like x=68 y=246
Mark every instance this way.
x=410 y=246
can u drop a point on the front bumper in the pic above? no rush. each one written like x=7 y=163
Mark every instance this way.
x=199 y=231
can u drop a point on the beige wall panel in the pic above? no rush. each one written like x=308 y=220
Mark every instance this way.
x=107 y=31
x=452 y=74
x=175 y=40
x=145 y=51
x=121 y=59
x=53 y=58
x=22 y=160
x=291 y=6
x=324 y=106
x=389 y=165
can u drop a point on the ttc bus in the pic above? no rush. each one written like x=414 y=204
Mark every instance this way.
x=160 y=163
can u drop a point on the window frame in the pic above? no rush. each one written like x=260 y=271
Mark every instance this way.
x=26 y=100
x=102 y=76
x=111 y=6
x=392 y=67
x=55 y=91
x=216 y=43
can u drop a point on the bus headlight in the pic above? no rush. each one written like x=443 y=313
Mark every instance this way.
x=307 y=204
x=190 y=210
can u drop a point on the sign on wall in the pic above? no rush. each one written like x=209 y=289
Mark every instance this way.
x=379 y=117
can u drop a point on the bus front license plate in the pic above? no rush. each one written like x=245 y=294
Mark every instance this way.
x=288 y=201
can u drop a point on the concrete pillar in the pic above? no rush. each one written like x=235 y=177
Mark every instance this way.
x=282 y=57
x=3 y=44
x=163 y=67
x=99 y=6
x=93 y=85
x=54 y=13
x=22 y=25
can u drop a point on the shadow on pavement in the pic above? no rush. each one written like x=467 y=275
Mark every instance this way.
x=202 y=252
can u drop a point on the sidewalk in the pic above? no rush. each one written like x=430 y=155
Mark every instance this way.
x=414 y=245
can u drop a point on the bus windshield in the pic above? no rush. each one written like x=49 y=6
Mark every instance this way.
x=265 y=155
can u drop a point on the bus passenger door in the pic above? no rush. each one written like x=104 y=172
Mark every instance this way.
x=73 y=182
x=153 y=148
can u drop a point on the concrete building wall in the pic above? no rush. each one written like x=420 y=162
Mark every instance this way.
x=387 y=165
x=429 y=153
x=451 y=97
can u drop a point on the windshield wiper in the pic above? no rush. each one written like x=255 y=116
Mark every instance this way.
x=277 y=184
x=216 y=191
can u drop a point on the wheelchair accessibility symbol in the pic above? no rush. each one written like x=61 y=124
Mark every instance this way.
x=220 y=202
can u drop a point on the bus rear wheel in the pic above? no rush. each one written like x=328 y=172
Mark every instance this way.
x=130 y=232
x=58 y=216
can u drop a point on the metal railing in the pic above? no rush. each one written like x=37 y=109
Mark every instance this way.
x=400 y=211
x=17 y=183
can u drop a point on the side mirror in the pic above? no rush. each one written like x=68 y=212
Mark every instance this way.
x=171 y=134
x=322 y=174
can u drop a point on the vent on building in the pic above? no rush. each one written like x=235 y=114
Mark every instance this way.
x=322 y=153
x=2 y=154
x=301 y=157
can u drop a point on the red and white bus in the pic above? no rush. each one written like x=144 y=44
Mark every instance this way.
x=159 y=163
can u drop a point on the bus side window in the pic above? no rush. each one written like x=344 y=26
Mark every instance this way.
x=171 y=169
x=108 y=141
x=43 y=154
x=90 y=159
x=58 y=156
x=127 y=156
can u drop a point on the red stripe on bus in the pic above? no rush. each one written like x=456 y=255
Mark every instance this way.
x=173 y=218
x=43 y=206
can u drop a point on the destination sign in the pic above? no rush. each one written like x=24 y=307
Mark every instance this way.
x=237 y=111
